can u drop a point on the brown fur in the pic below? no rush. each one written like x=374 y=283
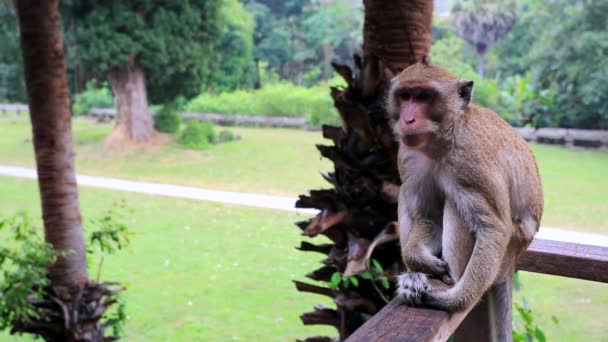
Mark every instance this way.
x=471 y=199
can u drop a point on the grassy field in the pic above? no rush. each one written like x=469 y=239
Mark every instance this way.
x=285 y=162
x=269 y=161
x=200 y=271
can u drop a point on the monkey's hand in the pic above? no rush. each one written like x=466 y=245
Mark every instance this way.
x=416 y=289
x=429 y=264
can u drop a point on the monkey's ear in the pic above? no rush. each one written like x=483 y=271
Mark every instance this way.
x=465 y=91
x=426 y=60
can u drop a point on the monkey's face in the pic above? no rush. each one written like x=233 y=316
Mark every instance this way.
x=422 y=100
x=413 y=122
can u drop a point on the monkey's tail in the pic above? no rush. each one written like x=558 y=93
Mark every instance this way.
x=499 y=299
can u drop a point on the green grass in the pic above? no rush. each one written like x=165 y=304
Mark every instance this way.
x=199 y=271
x=269 y=161
x=235 y=266
x=286 y=162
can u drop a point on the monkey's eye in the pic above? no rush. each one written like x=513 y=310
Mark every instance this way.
x=405 y=96
x=424 y=95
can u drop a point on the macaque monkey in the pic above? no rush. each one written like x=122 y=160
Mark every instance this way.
x=471 y=198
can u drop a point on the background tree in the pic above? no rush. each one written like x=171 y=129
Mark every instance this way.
x=12 y=84
x=483 y=22
x=69 y=296
x=358 y=214
x=233 y=66
x=155 y=49
x=574 y=75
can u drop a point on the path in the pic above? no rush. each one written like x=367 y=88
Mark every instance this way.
x=255 y=200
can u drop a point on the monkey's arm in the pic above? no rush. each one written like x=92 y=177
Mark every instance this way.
x=420 y=240
x=491 y=240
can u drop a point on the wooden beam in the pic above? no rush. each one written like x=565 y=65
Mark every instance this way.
x=400 y=323
x=566 y=259
x=397 y=322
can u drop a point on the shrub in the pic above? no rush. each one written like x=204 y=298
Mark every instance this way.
x=279 y=99
x=95 y=95
x=198 y=135
x=226 y=136
x=167 y=120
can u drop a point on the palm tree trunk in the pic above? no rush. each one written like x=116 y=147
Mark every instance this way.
x=358 y=214
x=47 y=90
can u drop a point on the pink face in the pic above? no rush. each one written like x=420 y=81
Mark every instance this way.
x=414 y=104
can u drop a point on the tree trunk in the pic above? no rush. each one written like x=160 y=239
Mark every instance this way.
x=133 y=120
x=70 y=307
x=359 y=213
x=47 y=90
x=481 y=59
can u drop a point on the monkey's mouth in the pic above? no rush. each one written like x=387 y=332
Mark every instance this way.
x=416 y=139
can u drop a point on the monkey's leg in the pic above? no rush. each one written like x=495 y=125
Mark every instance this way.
x=420 y=244
x=457 y=241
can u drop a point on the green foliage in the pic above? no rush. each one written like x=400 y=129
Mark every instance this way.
x=167 y=120
x=281 y=99
x=25 y=259
x=198 y=135
x=226 y=136
x=95 y=95
x=23 y=265
x=569 y=79
x=172 y=40
x=577 y=72
x=373 y=273
x=12 y=83
x=234 y=68
x=525 y=328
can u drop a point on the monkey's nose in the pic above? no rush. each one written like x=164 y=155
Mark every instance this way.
x=409 y=121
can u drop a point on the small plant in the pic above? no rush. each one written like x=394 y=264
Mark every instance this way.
x=167 y=120
x=226 y=136
x=524 y=327
x=24 y=265
x=95 y=95
x=25 y=295
x=373 y=272
x=198 y=135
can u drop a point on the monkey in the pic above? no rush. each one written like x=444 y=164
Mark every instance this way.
x=471 y=198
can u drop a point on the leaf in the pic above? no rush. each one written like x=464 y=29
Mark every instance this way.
x=335 y=280
x=385 y=283
x=354 y=280
x=554 y=319
x=540 y=336
x=377 y=265
x=366 y=275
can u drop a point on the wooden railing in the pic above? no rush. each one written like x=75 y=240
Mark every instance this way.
x=400 y=323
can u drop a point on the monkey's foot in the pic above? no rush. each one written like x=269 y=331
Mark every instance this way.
x=412 y=287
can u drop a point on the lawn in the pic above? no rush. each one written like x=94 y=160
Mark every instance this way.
x=200 y=271
x=285 y=162
x=269 y=161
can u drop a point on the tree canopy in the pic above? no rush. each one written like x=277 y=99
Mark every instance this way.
x=172 y=40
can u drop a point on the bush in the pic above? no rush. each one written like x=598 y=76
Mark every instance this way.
x=167 y=120
x=95 y=95
x=280 y=99
x=226 y=136
x=198 y=135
